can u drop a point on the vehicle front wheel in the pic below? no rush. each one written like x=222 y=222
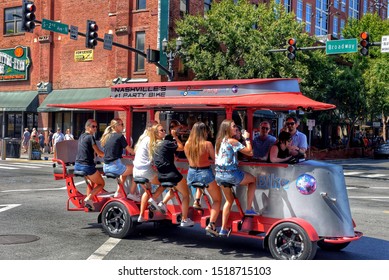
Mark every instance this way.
x=332 y=246
x=289 y=241
x=116 y=220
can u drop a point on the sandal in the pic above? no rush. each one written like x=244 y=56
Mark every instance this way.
x=211 y=230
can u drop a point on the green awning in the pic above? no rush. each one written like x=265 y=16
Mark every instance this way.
x=66 y=96
x=18 y=101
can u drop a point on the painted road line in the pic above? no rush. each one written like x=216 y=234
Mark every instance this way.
x=352 y=173
x=6 y=207
x=8 y=167
x=32 y=164
x=375 y=175
x=104 y=249
x=33 y=190
x=369 y=197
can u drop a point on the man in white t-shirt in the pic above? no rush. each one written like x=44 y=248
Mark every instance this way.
x=57 y=137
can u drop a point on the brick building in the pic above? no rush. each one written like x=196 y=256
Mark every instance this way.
x=45 y=67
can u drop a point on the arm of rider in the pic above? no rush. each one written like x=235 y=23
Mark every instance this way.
x=179 y=143
x=211 y=150
x=130 y=150
x=248 y=150
x=97 y=150
x=273 y=155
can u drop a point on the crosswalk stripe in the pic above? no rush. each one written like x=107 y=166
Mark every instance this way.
x=352 y=173
x=375 y=175
x=31 y=164
x=7 y=167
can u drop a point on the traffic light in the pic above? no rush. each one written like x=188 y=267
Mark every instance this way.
x=365 y=44
x=291 y=49
x=91 y=34
x=28 y=16
x=152 y=55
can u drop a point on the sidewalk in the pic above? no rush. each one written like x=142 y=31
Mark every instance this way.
x=24 y=157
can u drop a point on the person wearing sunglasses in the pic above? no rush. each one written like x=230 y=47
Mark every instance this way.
x=299 y=140
x=85 y=161
x=280 y=152
x=113 y=142
x=263 y=142
x=162 y=154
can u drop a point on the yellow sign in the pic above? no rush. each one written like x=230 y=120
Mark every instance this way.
x=84 y=55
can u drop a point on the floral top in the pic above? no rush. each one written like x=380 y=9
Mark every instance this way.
x=226 y=159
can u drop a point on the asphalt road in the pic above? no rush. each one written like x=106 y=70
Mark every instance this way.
x=33 y=205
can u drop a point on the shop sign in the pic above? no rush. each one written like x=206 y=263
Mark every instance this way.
x=83 y=55
x=14 y=64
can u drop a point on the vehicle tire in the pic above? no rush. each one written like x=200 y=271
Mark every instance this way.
x=289 y=241
x=116 y=220
x=332 y=246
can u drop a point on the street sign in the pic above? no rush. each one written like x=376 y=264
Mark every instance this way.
x=310 y=123
x=108 y=39
x=55 y=26
x=385 y=44
x=341 y=46
x=73 y=32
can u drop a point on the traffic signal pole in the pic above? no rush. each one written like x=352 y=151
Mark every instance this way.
x=168 y=73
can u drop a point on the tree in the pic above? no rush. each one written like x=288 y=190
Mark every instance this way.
x=374 y=68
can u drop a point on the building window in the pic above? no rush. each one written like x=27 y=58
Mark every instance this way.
x=184 y=7
x=365 y=2
x=13 y=20
x=308 y=14
x=140 y=45
x=140 y=4
x=287 y=5
x=343 y=8
x=335 y=26
x=207 y=5
x=342 y=24
x=336 y=4
x=299 y=15
x=321 y=17
x=353 y=9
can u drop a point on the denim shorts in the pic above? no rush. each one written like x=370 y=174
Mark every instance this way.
x=230 y=176
x=115 y=167
x=204 y=176
x=88 y=169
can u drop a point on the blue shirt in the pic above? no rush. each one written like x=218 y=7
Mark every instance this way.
x=226 y=158
x=299 y=139
x=262 y=146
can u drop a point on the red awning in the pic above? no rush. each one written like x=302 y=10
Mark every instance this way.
x=278 y=101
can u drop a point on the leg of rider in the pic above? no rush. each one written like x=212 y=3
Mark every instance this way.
x=98 y=181
x=227 y=206
x=214 y=192
x=198 y=195
x=182 y=187
x=126 y=173
x=145 y=196
x=250 y=181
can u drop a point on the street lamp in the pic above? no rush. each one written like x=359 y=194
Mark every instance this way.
x=171 y=55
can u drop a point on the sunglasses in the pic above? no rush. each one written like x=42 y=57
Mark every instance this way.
x=162 y=130
x=93 y=126
x=290 y=123
x=120 y=124
x=265 y=128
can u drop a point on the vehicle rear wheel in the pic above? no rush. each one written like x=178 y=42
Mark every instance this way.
x=116 y=220
x=332 y=246
x=289 y=241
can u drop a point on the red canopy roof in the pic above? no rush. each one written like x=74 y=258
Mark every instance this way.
x=276 y=101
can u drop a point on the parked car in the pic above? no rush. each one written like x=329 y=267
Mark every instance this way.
x=382 y=150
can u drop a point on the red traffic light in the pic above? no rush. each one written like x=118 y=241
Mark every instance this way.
x=364 y=36
x=292 y=41
x=30 y=7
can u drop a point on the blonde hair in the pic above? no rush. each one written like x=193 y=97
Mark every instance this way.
x=224 y=132
x=145 y=133
x=195 y=146
x=154 y=140
x=109 y=130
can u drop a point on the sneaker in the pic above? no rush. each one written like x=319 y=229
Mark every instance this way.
x=187 y=223
x=116 y=194
x=162 y=207
x=153 y=203
x=89 y=204
x=251 y=212
x=134 y=197
x=224 y=233
x=141 y=219
x=196 y=204
x=211 y=231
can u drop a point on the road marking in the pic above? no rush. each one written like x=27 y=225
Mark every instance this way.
x=8 y=207
x=369 y=197
x=104 y=249
x=29 y=190
x=375 y=175
x=351 y=173
x=32 y=164
x=7 y=167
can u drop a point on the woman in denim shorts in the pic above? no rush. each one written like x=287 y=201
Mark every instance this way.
x=87 y=148
x=227 y=148
x=198 y=152
x=114 y=142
